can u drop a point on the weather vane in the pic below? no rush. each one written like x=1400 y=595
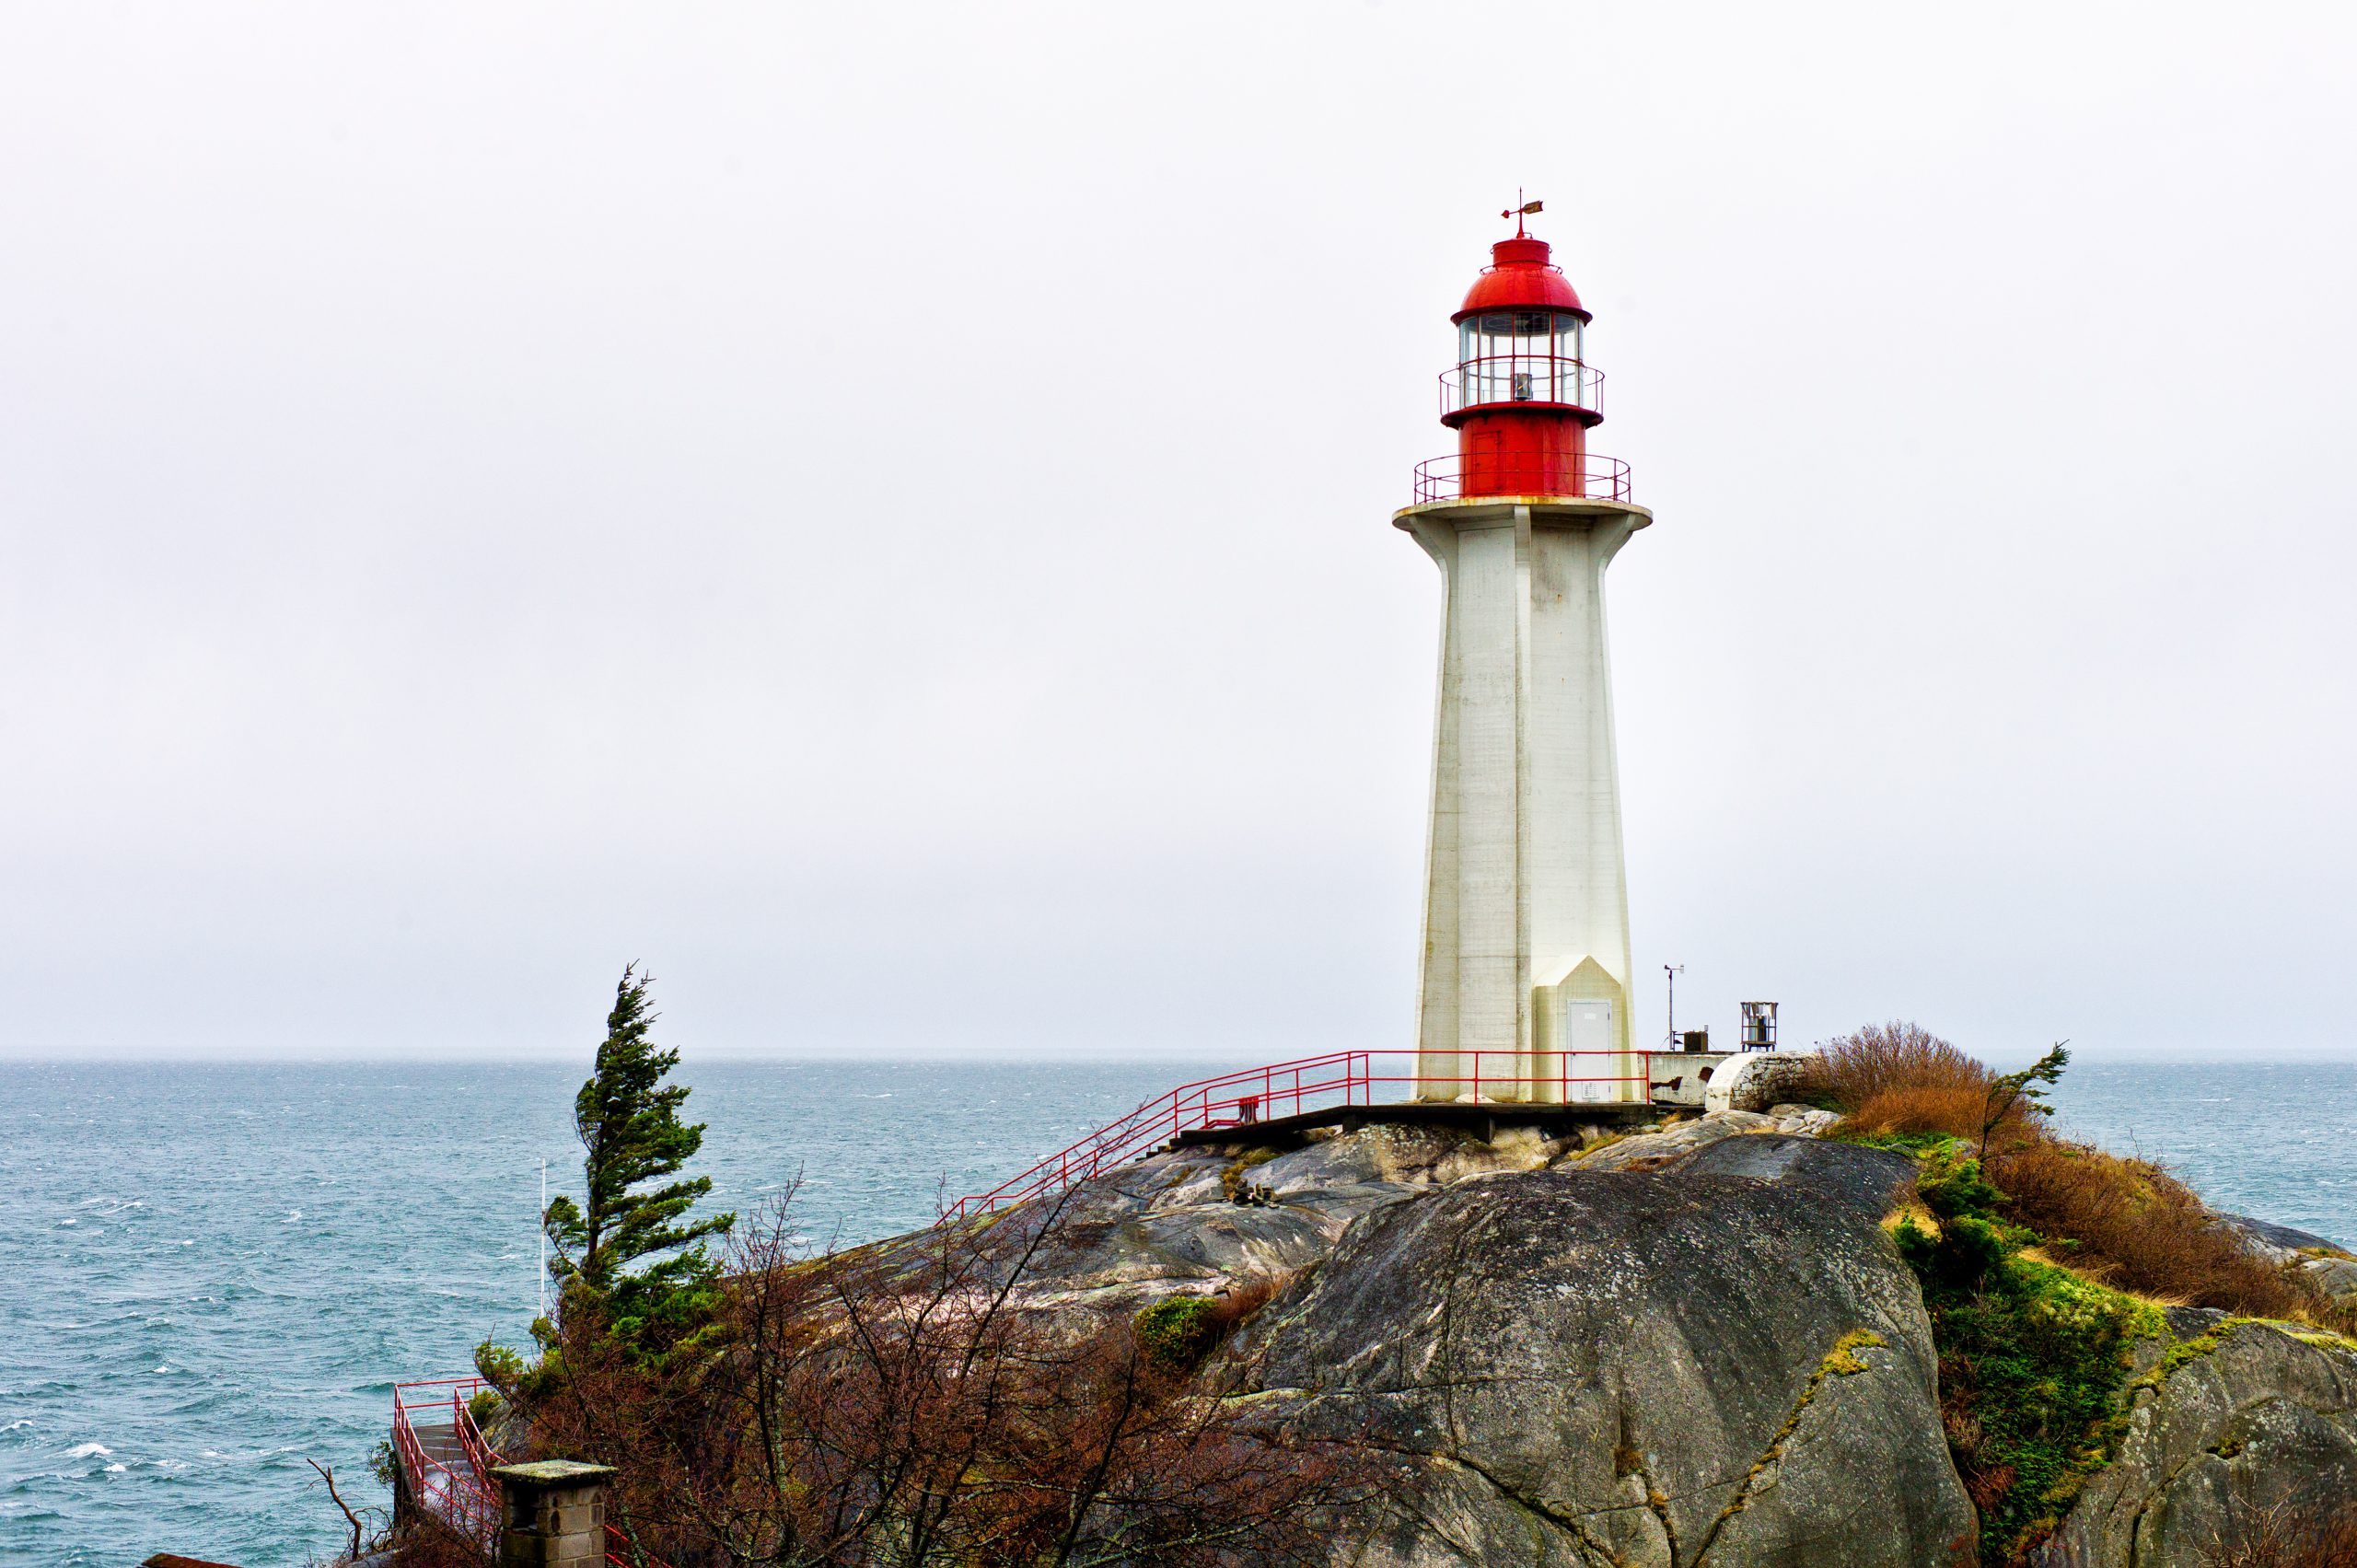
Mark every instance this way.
x=1521 y=211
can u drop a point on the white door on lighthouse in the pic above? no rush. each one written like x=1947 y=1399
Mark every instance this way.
x=1594 y=1045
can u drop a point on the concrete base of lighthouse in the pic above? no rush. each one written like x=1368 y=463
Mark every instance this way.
x=1525 y=963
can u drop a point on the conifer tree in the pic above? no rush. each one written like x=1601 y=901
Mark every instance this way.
x=2020 y=1090
x=632 y=1243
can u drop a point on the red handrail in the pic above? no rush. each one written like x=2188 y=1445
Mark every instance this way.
x=470 y=1500
x=618 y=1551
x=1313 y=1082
x=466 y=1499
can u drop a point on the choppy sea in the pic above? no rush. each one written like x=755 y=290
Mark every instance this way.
x=210 y=1273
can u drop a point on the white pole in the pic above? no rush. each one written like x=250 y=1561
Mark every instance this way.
x=543 y=1228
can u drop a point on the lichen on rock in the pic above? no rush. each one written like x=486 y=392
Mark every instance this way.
x=2235 y=1417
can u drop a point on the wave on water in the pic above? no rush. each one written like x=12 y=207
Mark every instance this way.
x=89 y=1451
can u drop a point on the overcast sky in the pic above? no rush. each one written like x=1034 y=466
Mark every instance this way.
x=882 y=513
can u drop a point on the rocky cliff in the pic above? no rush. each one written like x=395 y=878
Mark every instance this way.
x=1698 y=1346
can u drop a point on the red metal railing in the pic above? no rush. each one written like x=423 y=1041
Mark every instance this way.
x=460 y=1489
x=1443 y=479
x=1521 y=378
x=1323 y=1083
x=466 y=1495
x=619 y=1552
x=457 y=1488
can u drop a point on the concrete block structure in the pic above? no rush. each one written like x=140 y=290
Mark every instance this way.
x=1525 y=968
x=552 y=1514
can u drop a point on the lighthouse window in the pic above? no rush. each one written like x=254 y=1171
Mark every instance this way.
x=1522 y=334
x=1520 y=356
x=1567 y=337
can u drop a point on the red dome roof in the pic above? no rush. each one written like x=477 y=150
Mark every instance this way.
x=1520 y=277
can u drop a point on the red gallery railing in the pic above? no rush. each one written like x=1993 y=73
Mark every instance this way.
x=1604 y=479
x=1337 y=1081
x=1548 y=380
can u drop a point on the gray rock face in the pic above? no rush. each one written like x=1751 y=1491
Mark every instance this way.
x=2325 y=1262
x=2255 y=1416
x=1687 y=1348
x=1690 y=1347
x=2337 y=1275
x=1865 y=1181
x=1665 y=1367
x=2282 y=1238
x=1168 y=1222
x=1165 y=1225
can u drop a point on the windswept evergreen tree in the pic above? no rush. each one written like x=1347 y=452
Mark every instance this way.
x=632 y=1245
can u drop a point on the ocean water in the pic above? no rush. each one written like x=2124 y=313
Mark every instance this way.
x=212 y=1273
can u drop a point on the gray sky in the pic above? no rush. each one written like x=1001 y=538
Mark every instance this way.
x=881 y=512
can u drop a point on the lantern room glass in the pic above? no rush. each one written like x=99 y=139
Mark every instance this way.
x=1522 y=357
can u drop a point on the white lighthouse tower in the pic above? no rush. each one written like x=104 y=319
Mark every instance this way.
x=1525 y=962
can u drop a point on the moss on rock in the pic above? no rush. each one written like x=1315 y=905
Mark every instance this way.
x=2036 y=1363
x=1175 y=1333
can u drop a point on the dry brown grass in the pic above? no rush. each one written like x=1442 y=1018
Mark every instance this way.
x=2136 y=1226
x=1881 y=1059
x=426 y=1542
x=2281 y=1539
x=1921 y=1109
x=2139 y=1228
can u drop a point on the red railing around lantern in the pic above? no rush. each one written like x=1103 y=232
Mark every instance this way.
x=1544 y=379
x=1602 y=479
x=1338 y=1081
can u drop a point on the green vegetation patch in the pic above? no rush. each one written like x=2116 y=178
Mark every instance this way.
x=1919 y=1145
x=1176 y=1332
x=2034 y=1361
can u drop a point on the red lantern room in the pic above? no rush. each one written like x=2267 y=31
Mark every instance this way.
x=1522 y=398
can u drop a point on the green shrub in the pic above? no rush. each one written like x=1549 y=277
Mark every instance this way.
x=500 y=1366
x=2034 y=1361
x=1958 y=1256
x=1175 y=1333
x=1916 y=1143
x=1953 y=1187
x=517 y=1379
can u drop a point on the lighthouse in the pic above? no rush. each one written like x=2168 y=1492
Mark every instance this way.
x=1526 y=971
